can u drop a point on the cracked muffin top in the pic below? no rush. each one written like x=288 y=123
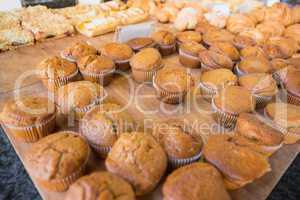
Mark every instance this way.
x=213 y=36
x=164 y=37
x=215 y=60
x=117 y=51
x=95 y=64
x=101 y=186
x=79 y=49
x=255 y=65
x=57 y=156
x=141 y=42
x=138 y=158
x=227 y=49
x=192 y=48
x=146 y=59
x=187 y=36
x=218 y=78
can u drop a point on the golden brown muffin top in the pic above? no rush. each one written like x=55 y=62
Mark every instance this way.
x=221 y=35
x=192 y=48
x=296 y=13
x=280 y=47
x=227 y=49
x=241 y=41
x=57 y=156
x=235 y=162
x=257 y=14
x=78 y=95
x=164 y=37
x=218 y=78
x=177 y=139
x=255 y=65
x=197 y=181
x=174 y=79
x=146 y=59
x=117 y=51
x=235 y=100
x=140 y=42
x=95 y=64
x=139 y=159
x=215 y=60
x=27 y=111
x=187 y=36
x=56 y=67
x=101 y=186
x=204 y=26
x=238 y=22
x=253 y=51
x=279 y=12
x=259 y=83
x=255 y=34
x=292 y=83
x=271 y=28
x=293 y=31
x=79 y=49
x=254 y=129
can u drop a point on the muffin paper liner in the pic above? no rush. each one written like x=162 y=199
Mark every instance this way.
x=145 y=76
x=276 y=77
x=205 y=67
x=176 y=163
x=69 y=58
x=289 y=97
x=101 y=150
x=224 y=119
x=261 y=101
x=61 y=81
x=166 y=50
x=33 y=132
x=103 y=78
x=207 y=92
x=237 y=71
x=193 y=59
x=122 y=64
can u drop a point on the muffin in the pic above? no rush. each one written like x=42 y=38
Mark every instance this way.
x=226 y=48
x=140 y=43
x=188 y=54
x=253 y=65
x=230 y=102
x=57 y=160
x=242 y=42
x=172 y=84
x=214 y=80
x=280 y=47
x=139 y=164
x=77 y=98
x=296 y=13
x=262 y=86
x=257 y=14
x=211 y=60
x=280 y=12
x=179 y=141
x=102 y=125
x=204 y=26
x=214 y=36
x=78 y=50
x=144 y=64
x=253 y=132
x=119 y=53
x=239 y=164
x=293 y=31
x=238 y=22
x=166 y=42
x=285 y=117
x=188 y=36
x=55 y=72
x=200 y=181
x=29 y=118
x=100 y=185
x=99 y=69
x=291 y=84
x=271 y=28
x=253 y=51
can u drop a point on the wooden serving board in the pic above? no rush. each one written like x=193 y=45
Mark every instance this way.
x=14 y=63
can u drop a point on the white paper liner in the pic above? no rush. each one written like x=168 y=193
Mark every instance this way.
x=195 y=58
x=145 y=76
x=101 y=150
x=289 y=97
x=63 y=80
x=227 y=120
x=262 y=100
x=166 y=50
x=238 y=71
x=103 y=78
x=176 y=163
x=69 y=58
x=207 y=92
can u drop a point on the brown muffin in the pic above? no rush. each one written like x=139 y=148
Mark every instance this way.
x=271 y=28
x=292 y=87
x=100 y=185
x=197 y=181
x=188 y=36
x=103 y=124
x=238 y=22
x=253 y=65
x=165 y=41
x=280 y=47
x=242 y=42
x=99 y=69
x=257 y=14
x=256 y=35
x=280 y=12
x=78 y=50
x=57 y=160
x=204 y=26
x=214 y=36
x=239 y=165
x=119 y=53
x=226 y=48
x=279 y=63
x=144 y=64
x=212 y=60
x=56 y=71
x=188 y=54
x=293 y=31
x=179 y=141
x=140 y=43
x=29 y=118
x=253 y=51
x=172 y=84
x=296 y=13
x=79 y=97
x=135 y=158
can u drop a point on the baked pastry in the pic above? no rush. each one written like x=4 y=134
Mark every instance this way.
x=200 y=181
x=271 y=28
x=145 y=168
x=99 y=69
x=144 y=64
x=214 y=80
x=253 y=65
x=262 y=86
x=291 y=84
x=214 y=36
x=279 y=12
x=9 y=21
x=119 y=53
x=238 y=22
x=296 y=13
x=230 y=102
x=78 y=50
x=280 y=47
x=187 y=36
x=166 y=42
x=253 y=51
x=100 y=185
x=76 y=98
x=242 y=42
x=172 y=84
x=57 y=160
x=255 y=34
x=258 y=14
x=253 y=132
x=56 y=72
x=285 y=117
x=131 y=16
x=213 y=60
x=293 y=31
x=226 y=48
x=186 y=19
x=140 y=43
x=29 y=118
x=182 y=145
x=103 y=124
x=239 y=164
x=188 y=54
x=16 y=37
x=204 y=26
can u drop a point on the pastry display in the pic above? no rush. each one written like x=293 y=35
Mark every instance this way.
x=213 y=60
x=188 y=54
x=165 y=41
x=253 y=65
x=140 y=43
x=78 y=50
